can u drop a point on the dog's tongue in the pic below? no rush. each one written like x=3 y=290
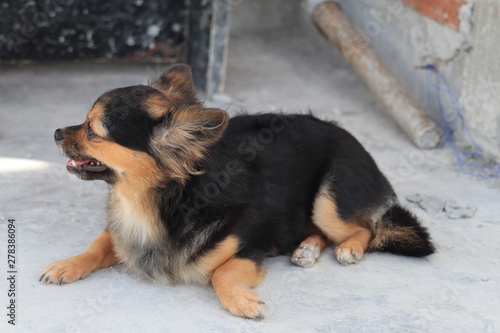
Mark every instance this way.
x=73 y=163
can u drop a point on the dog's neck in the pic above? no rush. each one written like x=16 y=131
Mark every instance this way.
x=133 y=198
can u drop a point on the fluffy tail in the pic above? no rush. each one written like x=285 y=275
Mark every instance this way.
x=399 y=232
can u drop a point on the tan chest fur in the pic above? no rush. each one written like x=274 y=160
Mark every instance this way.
x=141 y=243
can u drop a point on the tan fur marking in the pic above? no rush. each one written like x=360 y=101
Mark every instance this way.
x=194 y=119
x=137 y=169
x=326 y=218
x=317 y=240
x=224 y=251
x=94 y=118
x=181 y=146
x=137 y=174
x=309 y=250
x=179 y=90
x=176 y=82
x=96 y=111
x=352 y=250
x=201 y=271
x=232 y=282
x=385 y=232
x=99 y=254
x=353 y=237
x=158 y=105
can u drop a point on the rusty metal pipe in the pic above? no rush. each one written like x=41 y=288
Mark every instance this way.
x=421 y=130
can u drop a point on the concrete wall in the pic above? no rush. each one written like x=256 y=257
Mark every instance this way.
x=481 y=76
x=465 y=53
x=261 y=15
x=459 y=37
x=404 y=38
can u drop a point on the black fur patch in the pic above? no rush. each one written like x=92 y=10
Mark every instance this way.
x=261 y=180
x=126 y=119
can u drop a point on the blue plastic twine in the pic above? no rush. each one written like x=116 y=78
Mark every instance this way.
x=447 y=122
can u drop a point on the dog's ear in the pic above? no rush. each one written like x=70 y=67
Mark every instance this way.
x=183 y=137
x=176 y=82
x=193 y=126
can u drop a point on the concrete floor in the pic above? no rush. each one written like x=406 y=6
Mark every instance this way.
x=455 y=290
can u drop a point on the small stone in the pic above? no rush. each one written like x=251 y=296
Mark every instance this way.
x=414 y=198
x=431 y=205
x=455 y=210
x=439 y=208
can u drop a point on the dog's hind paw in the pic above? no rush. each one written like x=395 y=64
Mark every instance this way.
x=306 y=255
x=347 y=255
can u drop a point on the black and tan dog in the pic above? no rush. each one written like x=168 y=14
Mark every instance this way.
x=198 y=197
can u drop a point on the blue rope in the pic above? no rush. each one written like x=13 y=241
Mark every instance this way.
x=446 y=124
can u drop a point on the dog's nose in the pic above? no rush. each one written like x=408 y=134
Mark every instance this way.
x=58 y=135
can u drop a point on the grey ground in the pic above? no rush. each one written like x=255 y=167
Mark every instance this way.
x=455 y=290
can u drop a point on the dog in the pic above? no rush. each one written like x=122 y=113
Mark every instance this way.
x=196 y=197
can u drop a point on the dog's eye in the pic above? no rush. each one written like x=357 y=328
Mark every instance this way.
x=90 y=133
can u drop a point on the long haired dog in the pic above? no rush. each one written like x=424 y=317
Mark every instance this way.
x=198 y=197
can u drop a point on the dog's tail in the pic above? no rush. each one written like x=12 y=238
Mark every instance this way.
x=399 y=232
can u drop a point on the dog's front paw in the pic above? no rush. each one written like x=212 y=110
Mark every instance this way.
x=243 y=302
x=67 y=270
x=306 y=255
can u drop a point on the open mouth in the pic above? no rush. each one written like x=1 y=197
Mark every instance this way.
x=86 y=165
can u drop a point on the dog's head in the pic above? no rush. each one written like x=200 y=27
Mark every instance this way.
x=139 y=132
